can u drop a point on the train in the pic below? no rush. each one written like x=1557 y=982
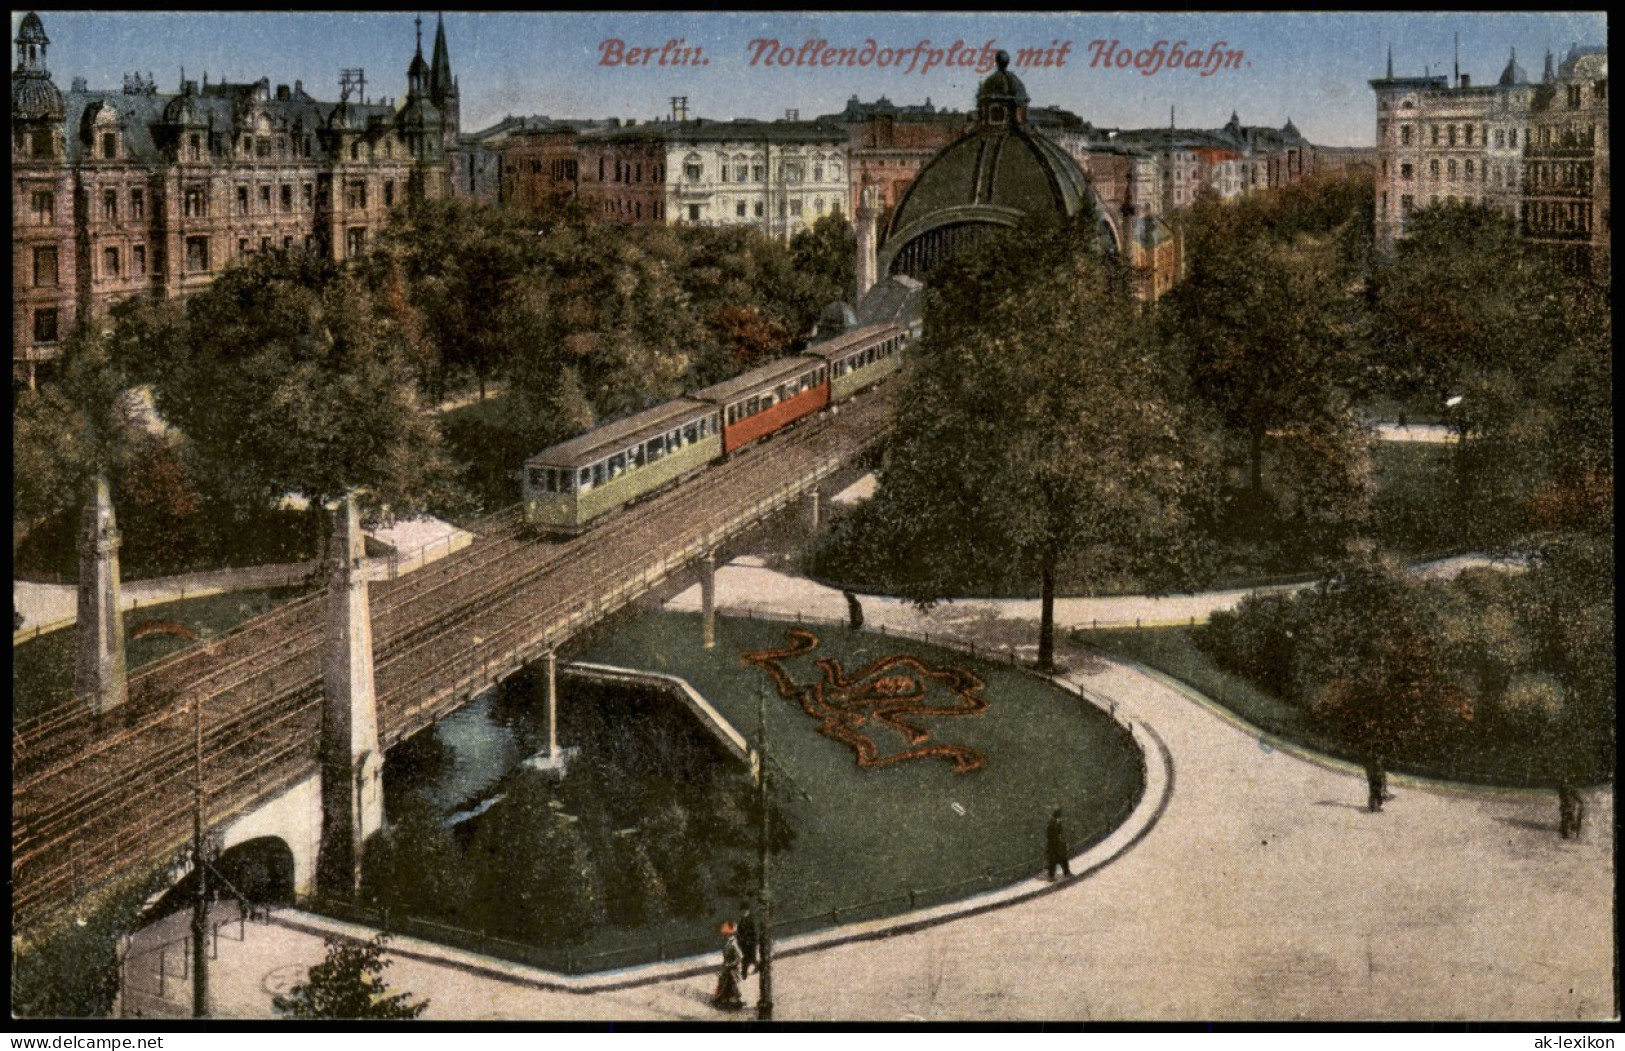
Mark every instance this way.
x=569 y=486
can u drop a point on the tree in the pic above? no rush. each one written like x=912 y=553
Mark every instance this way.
x=349 y=984
x=827 y=253
x=287 y=379
x=1035 y=430
x=413 y=867
x=538 y=880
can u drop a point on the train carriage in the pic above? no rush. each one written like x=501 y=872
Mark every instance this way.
x=570 y=484
x=768 y=398
x=860 y=358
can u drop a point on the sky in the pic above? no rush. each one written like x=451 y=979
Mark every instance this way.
x=1310 y=67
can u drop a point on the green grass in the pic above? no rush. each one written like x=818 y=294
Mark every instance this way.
x=1470 y=757
x=42 y=668
x=871 y=842
x=888 y=830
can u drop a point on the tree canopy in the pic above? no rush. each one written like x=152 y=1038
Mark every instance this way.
x=349 y=983
x=1035 y=428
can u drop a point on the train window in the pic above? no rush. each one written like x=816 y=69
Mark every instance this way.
x=691 y=433
x=752 y=405
x=536 y=479
x=637 y=456
x=617 y=465
x=566 y=481
x=598 y=474
x=585 y=479
x=657 y=449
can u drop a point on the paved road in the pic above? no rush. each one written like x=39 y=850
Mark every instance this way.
x=1264 y=891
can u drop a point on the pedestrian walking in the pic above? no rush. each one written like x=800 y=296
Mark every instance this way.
x=1055 y=852
x=854 y=611
x=1570 y=810
x=748 y=943
x=1376 y=779
x=727 y=997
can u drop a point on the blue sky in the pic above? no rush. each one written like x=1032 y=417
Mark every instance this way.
x=1310 y=67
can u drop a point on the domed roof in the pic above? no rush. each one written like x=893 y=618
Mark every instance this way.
x=1514 y=73
x=1003 y=86
x=992 y=177
x=35 y=98
x=32 y=30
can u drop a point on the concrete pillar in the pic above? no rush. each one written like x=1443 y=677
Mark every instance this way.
x=708 y=598
x=812 y=503
x=352 y=764
x=99 y=675
x=867 y=266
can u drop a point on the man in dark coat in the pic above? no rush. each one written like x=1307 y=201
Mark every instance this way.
x=1570 y=810
x=854 y=611
x=1376 y=779
x=1055 y=852
x=747 y=943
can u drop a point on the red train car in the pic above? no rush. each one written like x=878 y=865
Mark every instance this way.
x=768 y=398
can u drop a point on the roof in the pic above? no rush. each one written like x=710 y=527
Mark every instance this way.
x=830 y=349
x=621 y=434
x=32 y=30
x=762 y=376
x=707 y=131
x=894 y=301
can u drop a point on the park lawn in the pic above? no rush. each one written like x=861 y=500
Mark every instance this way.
x=1468 y=758
x=42 y=668
x=866 y=838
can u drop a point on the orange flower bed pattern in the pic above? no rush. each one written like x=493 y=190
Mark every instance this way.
x=890 y=691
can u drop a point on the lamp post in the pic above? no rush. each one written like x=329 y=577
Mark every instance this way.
x=764 y=936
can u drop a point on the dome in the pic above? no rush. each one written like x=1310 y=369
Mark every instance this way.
x=32 y=30
x=992 y=177
x=1002 y=86
x=35 y=98
x=1514 y=73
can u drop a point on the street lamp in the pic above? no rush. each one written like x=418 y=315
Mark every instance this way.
x=764 y=937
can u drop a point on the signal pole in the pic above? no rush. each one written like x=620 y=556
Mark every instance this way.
x=764 y=936
x=200 y=867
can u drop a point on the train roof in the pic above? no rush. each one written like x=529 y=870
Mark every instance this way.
x=762 y=376
x=620 y=434
x=846 y=342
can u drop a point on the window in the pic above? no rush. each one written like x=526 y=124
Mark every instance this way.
x=389 y=148
x=1500 y=139
x=196 y=203
x=109 y=146
x=242 y=200
x=1404 y=134
x=1450 y=169
x=44 y=207
x=1469 y=170
x=758 y=173
x=355 y=241
x=1451 y=134
x=287 y=197
x=310 y=196
x=194 y=147
x=1407 y=172
x=265 y=199
x=795 y=207
x=356 y=195
x=758 y=209
x=45 y=267
x=197 y=254
x=110 y=205
x=1574 y=96
x=45 y=326
x=110 y=262
x=287 y=244
x=739 y=209
x=1468 y=132
x=44 y=144
x=1600 y=91
x=138 y=260
x=138 y=205
x=242 y=246
x=265 y=244
x=1512 y=138
x=692 y=172
x=1433 y=169
x=389 y=193
x=355 y=150
x=693 y=213
x=1435 y=128
x=818 y=173
x=1406 y=203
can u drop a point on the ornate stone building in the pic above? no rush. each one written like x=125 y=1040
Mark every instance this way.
x=1536 y=151
x=130 y=191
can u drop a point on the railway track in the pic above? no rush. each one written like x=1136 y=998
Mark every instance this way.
x=93 y=797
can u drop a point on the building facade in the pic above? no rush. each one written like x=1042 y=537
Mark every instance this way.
x=1536 y=151
x=131 y=191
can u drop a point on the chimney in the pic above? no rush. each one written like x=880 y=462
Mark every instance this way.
x=299 y=87
x=79 y=84
x=282 y=92
x=1466 y=81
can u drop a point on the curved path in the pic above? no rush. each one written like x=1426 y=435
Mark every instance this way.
x=1263 y=891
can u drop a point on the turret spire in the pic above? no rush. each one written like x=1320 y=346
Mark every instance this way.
x=1390 y=62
